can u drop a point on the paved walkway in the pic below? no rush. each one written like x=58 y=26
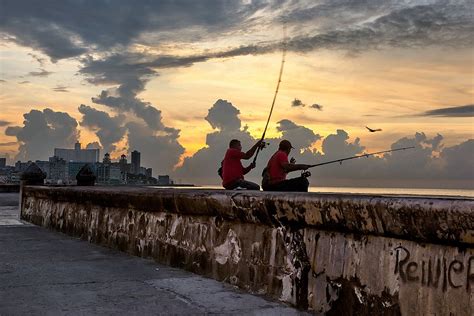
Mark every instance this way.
x=48 y=273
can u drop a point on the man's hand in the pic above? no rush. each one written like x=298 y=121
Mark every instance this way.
x=292 y=160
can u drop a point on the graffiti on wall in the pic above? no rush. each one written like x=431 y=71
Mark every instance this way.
x=435 y=272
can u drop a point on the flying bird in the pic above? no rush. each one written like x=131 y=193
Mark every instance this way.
x=373 y=130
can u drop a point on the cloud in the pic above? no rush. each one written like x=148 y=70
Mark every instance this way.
x=131 y=80
x=350 y=26
x=60 y=89
x=8 y=144
x=2 y=81
x=455 y=111
x=24 y=82
x=159 y=151
x=93 y=145
x=224 y=116
x=458 y=161
x=109 y=130
x=317 y=107
x=69 y=28
x=42 y=132
x=4 y=123
x=301 y=137
x=430 y=164
x=41 y=61
x=297 y=102
x=41 y=73
x=224 y=119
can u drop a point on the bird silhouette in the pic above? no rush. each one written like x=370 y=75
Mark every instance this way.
x=373 y=130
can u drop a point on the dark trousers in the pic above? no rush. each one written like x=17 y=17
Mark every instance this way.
x=243 y=184
x=299 y=184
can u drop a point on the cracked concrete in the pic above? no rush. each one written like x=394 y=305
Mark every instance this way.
x=48 y=273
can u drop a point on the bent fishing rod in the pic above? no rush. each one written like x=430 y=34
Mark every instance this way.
x=276 y=92
x=358 y=156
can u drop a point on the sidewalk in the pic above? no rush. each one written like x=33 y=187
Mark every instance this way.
x=48 y=273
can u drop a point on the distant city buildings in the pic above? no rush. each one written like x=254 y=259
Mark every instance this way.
x=135 y=162
x=65 y=164
x=77 y=154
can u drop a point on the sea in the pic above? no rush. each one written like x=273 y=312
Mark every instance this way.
x=361 y=190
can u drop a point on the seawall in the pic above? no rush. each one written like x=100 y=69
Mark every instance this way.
x=328 y=253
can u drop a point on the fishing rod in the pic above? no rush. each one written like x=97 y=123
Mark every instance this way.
x=276 y=91
x=358 y=156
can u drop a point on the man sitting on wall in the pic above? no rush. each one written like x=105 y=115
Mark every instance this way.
x=232 y=170
x=274 y=175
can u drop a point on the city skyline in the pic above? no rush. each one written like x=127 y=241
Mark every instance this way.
x=170 y=78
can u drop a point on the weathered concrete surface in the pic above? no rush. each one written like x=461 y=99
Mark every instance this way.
x=46 y=273
x=334 y=254
x=9 y=212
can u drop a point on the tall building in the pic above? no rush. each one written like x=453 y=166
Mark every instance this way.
x=3 y=162
x=135 y=162
x=77 y=154
x=57 y=169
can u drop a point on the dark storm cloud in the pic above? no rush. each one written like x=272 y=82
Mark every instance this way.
x=455 y=111
x=109 y=130
x=41 y=73
x=42 y=132
x=4 y=123
x=63 y=29
x=131 y=76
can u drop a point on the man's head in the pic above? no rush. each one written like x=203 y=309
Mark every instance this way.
x=285 y=146
x=235 y=143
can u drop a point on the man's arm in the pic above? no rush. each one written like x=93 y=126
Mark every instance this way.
x=252 y=150
x=288 y=167
x=250 y=167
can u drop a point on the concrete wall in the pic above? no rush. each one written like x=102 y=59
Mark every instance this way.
x=9 y=188
x=332 y=254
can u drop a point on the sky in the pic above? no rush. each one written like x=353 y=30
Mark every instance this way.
x=177 y=80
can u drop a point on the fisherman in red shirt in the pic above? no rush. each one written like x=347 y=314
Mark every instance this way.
x=232 y=170
x=277 y=168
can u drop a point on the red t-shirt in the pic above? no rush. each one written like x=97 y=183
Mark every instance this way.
x=275 y=167
x=232 y=168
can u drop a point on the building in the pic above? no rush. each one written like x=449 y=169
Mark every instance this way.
x=73 y=169
x=21 y=166
x=77 y=154
x=44 y=166
x=57 y=170
x=3 y=162
x=109 y=173
x=164 y=180
x=135 y=169
x=149 y=172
